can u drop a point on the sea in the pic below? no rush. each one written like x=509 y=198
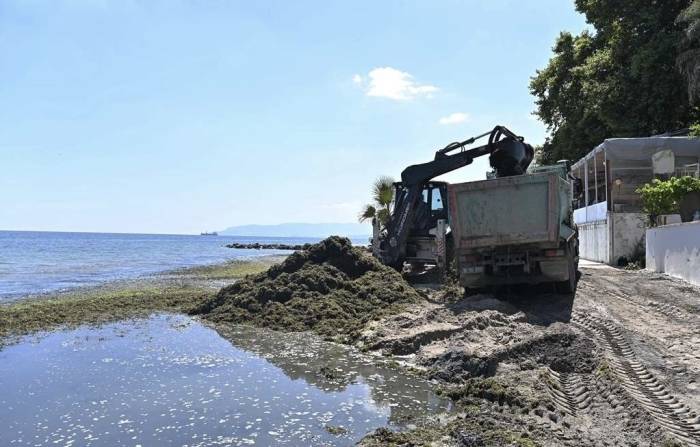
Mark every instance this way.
x=35 y=262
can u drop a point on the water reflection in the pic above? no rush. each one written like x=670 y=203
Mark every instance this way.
x=332 y=368
x=169 y=380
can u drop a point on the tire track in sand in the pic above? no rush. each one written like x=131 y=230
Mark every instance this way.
x=569 y=391
x=672 y=415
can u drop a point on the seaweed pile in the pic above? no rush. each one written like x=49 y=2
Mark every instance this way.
x=331 y=288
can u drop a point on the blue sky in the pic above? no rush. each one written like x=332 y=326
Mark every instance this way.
x=181 y=116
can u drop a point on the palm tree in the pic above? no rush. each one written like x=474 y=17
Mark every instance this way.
x=688 y=61
x=383 y=197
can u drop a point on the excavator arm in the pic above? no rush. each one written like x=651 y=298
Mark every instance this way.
x=509 y=155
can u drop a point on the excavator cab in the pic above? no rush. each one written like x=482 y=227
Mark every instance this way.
x=429 y=226
x=431 y=208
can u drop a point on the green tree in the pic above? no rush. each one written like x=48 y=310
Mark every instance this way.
x=619 y=80
x=688 y=60
x=382 y=198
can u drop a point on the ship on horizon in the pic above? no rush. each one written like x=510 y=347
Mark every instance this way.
x=206 y=233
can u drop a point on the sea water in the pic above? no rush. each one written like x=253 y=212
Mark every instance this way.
x=43 y=262
x=170 y=380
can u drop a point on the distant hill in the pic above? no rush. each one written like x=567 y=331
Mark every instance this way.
x=354 y=230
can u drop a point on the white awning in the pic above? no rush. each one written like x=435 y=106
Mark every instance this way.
x=643 y=148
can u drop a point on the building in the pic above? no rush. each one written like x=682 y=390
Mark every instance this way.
x=608 y=211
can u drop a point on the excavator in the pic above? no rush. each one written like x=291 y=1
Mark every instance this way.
x=415 y=232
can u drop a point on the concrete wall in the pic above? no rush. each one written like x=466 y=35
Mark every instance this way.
x=592 y=213
x=593 y=241
x=621 y=235
x=675 y=250
x=628 y=230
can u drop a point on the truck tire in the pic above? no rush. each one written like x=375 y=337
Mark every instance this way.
x=569 y=286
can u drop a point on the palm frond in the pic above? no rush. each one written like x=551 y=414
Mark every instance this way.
x=368 y=212
x=383 y=215
x=383 y=191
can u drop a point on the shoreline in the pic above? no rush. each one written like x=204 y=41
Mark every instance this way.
x=175 y=290
x=216 y=268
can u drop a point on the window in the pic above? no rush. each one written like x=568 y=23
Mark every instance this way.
x=437 y=203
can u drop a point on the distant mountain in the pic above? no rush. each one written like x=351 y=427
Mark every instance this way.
x=354 y=230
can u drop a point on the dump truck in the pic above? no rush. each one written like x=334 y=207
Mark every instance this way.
x=514 y=227
x=515 y=230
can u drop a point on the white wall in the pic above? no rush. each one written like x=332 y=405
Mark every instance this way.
x=628 y=235
x=675 y=250
x=593 y=241
x=591 y=213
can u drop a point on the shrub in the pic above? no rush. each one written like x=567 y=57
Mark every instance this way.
x=663 y=196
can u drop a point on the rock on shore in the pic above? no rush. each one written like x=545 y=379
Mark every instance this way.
x=258 y=246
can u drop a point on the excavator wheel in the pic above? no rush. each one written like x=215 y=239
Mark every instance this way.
x=398 y=266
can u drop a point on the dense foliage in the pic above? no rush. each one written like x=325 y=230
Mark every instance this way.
x=664 y=196
x=689 y=58
x=621 y=79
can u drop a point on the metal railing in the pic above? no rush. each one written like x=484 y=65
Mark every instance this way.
x=691 y=170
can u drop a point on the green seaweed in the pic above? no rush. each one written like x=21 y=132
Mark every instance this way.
x=489 y=389
x=466 y=431
x=119 y=301
x=332 y=288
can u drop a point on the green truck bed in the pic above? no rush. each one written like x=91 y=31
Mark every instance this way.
x=514 y=230
x=523 y=209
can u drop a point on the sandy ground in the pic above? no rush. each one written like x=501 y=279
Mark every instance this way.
x=616 y=364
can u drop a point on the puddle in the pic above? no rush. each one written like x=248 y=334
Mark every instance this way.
x=169 y=380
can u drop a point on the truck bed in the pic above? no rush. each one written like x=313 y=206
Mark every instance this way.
x=524 y=209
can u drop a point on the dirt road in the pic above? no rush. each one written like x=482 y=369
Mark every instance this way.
x=617 y=364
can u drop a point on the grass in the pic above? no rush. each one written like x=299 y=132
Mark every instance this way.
x=183 y=290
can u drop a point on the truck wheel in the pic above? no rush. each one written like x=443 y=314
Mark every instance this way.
x=569 y=286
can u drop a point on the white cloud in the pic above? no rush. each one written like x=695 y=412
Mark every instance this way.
x=454 y=118
x=387 y=82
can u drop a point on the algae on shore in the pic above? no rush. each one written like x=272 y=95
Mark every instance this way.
x=178 y=292
x=332 y=288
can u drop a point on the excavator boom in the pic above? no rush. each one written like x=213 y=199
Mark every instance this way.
x=509 y=155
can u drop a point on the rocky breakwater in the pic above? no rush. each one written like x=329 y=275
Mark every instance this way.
x=258 y=246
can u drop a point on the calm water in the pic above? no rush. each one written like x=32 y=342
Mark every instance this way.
x=40 y=262
x=168 y=380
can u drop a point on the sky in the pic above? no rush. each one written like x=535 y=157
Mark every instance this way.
x=181 y=116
